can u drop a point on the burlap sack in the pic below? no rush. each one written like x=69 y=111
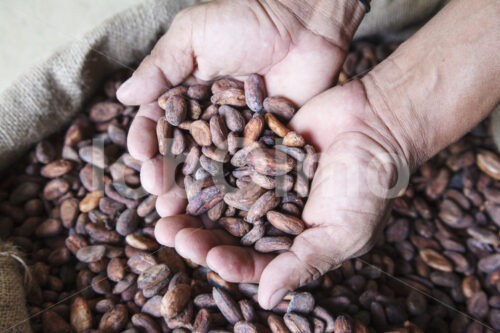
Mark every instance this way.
x=13 y=314
x=48 y=96
x=41 y=102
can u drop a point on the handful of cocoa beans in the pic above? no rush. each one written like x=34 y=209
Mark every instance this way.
x=242 y=165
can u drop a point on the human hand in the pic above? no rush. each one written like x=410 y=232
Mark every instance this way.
x=232 y=38
x=348 y=201
x=236 y=38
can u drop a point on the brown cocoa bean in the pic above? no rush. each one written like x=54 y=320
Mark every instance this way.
x=105 y=111
x=175 y=300
x=297 y=323
x=218 y=132
x=256 y=233
x=53 y=323
x=270 y=162
x=232 y=117
x=280 y=107
x=115 y=319
x=175 y=91
x=164 y=134
x=145 y=322
x=235 y=226
x=253 y=129
x=200 y=131
x=91 y=253
x=55 y=189
x=292 y=139
x=273 y=244
x=230 y=96
x=204 y=200
x=286 y=223
x=81 y=316
x=301 y=303
x=436 y=260
x=226 y=305
x=56 y=168
x=254 y=92
x=215 y=154
x=127 y=222
x=226 y=83
x=244 y=198
x=175 y=109
x=90 y=201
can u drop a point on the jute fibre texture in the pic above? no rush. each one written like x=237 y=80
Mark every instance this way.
x=13 y=312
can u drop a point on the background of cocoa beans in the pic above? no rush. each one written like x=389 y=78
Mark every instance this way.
x=96 y=266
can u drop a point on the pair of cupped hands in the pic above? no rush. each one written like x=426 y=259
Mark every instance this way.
x=347 y=203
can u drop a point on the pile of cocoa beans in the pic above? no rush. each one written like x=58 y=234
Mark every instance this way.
x=241 y=165
x=75 y=206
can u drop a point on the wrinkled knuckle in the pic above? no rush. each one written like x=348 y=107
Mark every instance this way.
x=307 y=262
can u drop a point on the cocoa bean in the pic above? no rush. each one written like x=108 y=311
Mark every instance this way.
x=273 y=244
x=226 y=83
x=164 y=133
x=175 y=108
x=175 y=300
x=232 y=117
x=81 y=316
x=230 y=96
x=296 y=323
x=200 y=131
x=198 y=91
x=56 y=169
x=227 y=306
x=202 y=321
x=270 y=162
x=127 y=222
x=235 y=226
x=301 y=303
x=286 y=223
x=115 y=319
x=194 y=110
x=267 y=201
x=94 y=155
x=204 y=200
x=256 y=233
x=91 y=253
x=253 y=129
x=218 y=132
x=105 y=111
x=244 y=198
x=175 y=91
x=55 y=189
x=436 y=260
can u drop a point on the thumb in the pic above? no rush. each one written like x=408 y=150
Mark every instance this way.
x=305 y=261
x=171 y=61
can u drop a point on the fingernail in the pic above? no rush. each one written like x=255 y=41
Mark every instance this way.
x=277 y=297
x=123 y=87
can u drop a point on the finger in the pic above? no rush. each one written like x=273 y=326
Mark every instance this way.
x=171 y=203
x=305 y=261
x=170 y=62
x=195 y=243
x=238 y=264
x=167 y=227
x=158 y=174
x=141 y=140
